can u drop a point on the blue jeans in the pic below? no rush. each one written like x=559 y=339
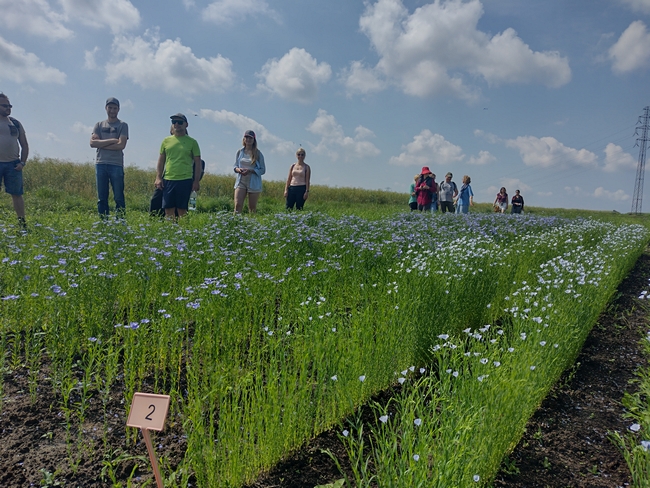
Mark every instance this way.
x=13 y=179
x=106 y=173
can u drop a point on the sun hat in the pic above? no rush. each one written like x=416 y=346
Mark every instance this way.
x=425 y=170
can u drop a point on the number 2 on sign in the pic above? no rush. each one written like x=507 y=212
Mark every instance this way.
x=153 y=409
x=148 y=411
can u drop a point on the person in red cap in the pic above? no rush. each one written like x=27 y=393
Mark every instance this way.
x=249 y=167
x=426 y=190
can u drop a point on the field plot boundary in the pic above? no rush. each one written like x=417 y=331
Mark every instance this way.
x=267 y=332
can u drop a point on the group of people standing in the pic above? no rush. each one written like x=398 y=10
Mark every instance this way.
x=427 y=195
x=180 y=168
x=501 y=202
x=178 y=171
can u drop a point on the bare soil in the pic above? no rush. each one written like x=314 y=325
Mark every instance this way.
x=566 y=442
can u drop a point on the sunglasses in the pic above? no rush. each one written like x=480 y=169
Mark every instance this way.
x=300 y=154
x=178 y=122
x=5 y=105
x=248 y=137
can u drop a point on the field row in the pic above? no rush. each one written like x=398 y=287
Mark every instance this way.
x=267 y=332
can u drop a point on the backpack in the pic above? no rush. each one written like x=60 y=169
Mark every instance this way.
x=429 y=181
x=17 y=127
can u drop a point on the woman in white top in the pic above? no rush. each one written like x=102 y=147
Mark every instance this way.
x=249 y=166
x=296 y=190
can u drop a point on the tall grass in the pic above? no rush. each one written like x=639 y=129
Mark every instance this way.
x=52 y=184
x=267 y=331
x=489 y=380
x=58 y=185
x=635 y=442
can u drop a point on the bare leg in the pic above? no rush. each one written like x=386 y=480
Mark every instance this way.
x=240 y=196
x=252 y=202
x=170 y=213
x=19 y=205
x=181 y=212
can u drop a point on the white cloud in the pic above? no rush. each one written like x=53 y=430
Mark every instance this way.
x=513 y=184
x=642 y=6
x=484 y=157
x=616 y=196
x=547 y=152
x=126 y=104
x=20 y=66
x=632 y=50
x=616 y=159
x=243 y=123
x=89 y=59
x=117 y=15
x=510 y=184
x=360 y=79
x=333 y=139
x=51 y=136
x=81 y=128
x=227 y=11
x=427 y=149
x=491 y=138
x=296 y=76
x=169 y=66
x=600 y=193
x=432 y=50
x=35 y=17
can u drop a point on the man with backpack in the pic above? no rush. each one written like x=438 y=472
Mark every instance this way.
x=14 y=151
x=447 y=191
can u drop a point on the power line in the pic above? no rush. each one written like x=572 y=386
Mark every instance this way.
x=644 y=127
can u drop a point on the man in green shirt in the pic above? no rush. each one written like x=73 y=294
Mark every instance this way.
x=178 y=154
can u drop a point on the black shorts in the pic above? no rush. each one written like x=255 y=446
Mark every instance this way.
x=176 y=194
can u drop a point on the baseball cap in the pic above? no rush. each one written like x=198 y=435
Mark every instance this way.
x=112 y=100
x=179 y=116
x=250 y=133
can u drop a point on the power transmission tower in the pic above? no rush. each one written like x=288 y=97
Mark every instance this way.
x=642 y=131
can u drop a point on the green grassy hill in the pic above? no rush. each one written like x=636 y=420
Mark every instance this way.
x=56 y=185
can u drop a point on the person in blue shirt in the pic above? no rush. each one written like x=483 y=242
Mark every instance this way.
x=249 y=167
x=465 y=197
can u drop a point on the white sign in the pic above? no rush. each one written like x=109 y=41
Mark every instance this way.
x=148 y=411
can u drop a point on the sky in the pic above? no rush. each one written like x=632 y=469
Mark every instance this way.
x=540 y=96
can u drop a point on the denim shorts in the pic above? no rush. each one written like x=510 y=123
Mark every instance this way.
x=13 y=179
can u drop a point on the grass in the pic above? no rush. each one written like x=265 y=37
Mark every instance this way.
x=635 y=443
x=57 y=185
x=267 y=331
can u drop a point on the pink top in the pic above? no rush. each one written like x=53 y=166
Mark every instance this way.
x=298 y=175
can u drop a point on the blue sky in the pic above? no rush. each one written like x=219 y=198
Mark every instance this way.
x=542 y=96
